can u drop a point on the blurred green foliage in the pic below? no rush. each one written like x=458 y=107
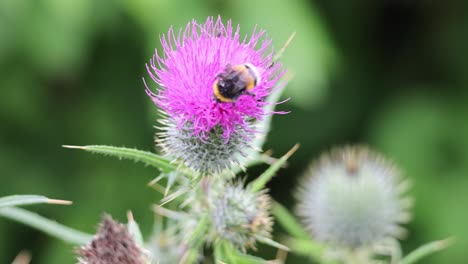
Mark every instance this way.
x=392 y=74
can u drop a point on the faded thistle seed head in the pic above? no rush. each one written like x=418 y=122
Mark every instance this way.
x=239 y=215
x=353 y=198
x=111 y=244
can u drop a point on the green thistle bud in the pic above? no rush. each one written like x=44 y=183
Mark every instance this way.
x=239 y=215
x=166 y=247
x=111 y=244
x=352 y=198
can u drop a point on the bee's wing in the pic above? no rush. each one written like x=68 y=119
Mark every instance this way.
x=240 y=84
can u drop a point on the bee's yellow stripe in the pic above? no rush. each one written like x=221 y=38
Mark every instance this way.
x=250 y=84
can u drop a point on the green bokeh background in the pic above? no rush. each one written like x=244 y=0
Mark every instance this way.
x=391 y=74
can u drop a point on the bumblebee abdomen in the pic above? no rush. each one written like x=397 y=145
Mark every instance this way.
x=253 y=76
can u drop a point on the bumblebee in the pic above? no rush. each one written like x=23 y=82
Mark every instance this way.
x=235 y=81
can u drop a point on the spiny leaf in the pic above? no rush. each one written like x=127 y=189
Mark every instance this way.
x=425 y=250
x=145 y=157
x=45 y=225
x=301 y=243
x=16 y=200
x=288 y=221
x=309 y=248
x=226 y=253
x=260 y=182
x=195 y=242
x=271 y=242
x=278 y=54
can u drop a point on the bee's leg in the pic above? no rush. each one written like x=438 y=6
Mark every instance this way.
x=234 y=100
x=249 y=93
x=216 y=99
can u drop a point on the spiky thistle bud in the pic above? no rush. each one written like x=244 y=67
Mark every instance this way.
x=166 y=248
x=111 y=244
x=353 y=198
x=239 y=215
x=203 y=129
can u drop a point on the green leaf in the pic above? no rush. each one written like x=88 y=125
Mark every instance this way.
x=425 y=250
x=224 y=252
x=145 y=157
x=309 y=248
x=260 y=182
x=288 y=221
x=271 y=242
x=218 y=253
x=16 y=200
x=301 y=243
x=45 y=225
x=196 y=241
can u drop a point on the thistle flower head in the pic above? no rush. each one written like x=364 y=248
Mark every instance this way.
x=191 y=61
x=198 y=127
x=239 y=215
x=111 y=244
x=353 y=198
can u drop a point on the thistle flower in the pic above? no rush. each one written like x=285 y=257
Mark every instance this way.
x=209 y=135
x=111 y=244
x=239 y=215
x=353 y=198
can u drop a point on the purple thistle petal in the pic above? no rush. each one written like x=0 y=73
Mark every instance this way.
x=187 y=69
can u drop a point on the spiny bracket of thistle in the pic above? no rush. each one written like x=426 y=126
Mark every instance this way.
x=266 y=176
x=207 y=135
x=9 y=210
x=299 y=242
x=170 y=169
x=426 y=250
x=18 y=200
x=148 y=158
x=211 y=155
x=226 y=253
x=354 y=201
